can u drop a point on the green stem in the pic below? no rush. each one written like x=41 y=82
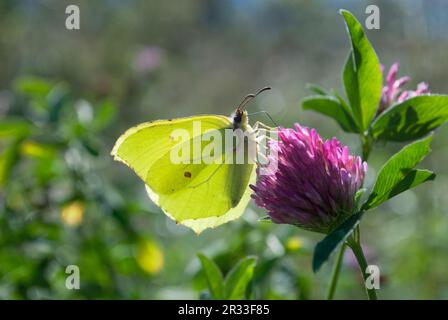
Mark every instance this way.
x=366 y=146
x=359 y=254
x=336 y=272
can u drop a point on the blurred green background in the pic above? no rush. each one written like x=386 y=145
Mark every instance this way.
x=65 y=97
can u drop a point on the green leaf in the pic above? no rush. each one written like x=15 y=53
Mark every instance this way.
x=316 y=89
x=11 y=128
x=397 y=174
x=411 y=119
x=104 y=115
x=362 y=74
x=411 y=180
x=239 y=278
x=265 y=219
x=8 y=158
x=33 y=86
x=325 y=247
x=358 y=196
x=332 y=108
x=214 y=277
x=57 y=98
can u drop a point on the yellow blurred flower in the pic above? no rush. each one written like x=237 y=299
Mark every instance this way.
x=73 y=213
x=294 y=243
x=150 y=257
x=36 y=150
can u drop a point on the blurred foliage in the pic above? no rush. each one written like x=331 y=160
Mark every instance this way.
x=65 y=96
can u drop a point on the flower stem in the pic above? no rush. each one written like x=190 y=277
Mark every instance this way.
x=366 y=146
x=359 y=254
x=367 y=143
x=335 y=274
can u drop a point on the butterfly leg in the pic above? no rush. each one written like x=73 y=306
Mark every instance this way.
x=261 y=158
x=266 y=113
x=259 y=137
x=260 y=124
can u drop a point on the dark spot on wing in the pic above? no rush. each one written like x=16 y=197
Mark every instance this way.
x=170 y=119
x=187 y=174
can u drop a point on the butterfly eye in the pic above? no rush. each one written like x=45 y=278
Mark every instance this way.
x=237 y=118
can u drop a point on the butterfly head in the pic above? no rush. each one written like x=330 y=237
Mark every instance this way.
x=240 y=117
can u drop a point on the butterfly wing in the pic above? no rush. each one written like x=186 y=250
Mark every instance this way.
x=197 y=195
x=221 y=196
x=142 y=145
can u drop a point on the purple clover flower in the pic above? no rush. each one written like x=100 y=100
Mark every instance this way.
x=148 y=59
x=313 y=183
x=393 y=90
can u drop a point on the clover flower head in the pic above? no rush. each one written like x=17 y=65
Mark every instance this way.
x=313 y=183
x=393 y=90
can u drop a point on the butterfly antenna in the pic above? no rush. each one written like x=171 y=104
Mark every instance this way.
x=249 y=97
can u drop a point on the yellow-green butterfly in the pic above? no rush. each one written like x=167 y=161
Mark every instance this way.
x=198 y=194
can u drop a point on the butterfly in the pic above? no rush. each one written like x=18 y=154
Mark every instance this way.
x=195 y=189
